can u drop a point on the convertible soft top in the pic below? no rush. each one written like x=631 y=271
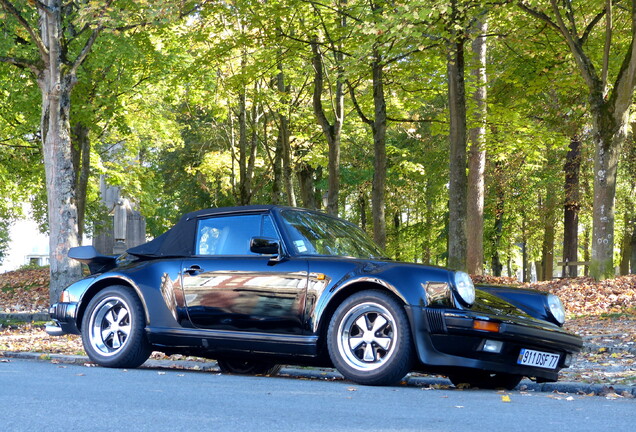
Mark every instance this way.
x=178 y=241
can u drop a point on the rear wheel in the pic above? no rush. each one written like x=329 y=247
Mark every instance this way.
x=113 y=329
x=485 y=380
x=369 y=339
x=248 y=367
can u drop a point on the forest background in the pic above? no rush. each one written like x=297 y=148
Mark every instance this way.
x=465 y=133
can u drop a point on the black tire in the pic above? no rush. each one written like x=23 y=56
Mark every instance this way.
x=485 y=380
x=369 y=339
x=247 y=367
x=113 y=329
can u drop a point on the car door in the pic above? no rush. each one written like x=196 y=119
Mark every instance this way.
x=227 y=287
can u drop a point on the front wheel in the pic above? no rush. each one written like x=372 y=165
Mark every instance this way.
x=247 y=367
x=485 y=380
x=113 y=329
x=369 y=339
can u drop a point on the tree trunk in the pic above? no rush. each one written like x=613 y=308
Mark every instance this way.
x=288 y=175
x=307 y=186
x=397 y=222
x=605 y=167
x=379 y=150
x=587 y=233
x=477 y=157
x=331 y=130
x=81 y=151
x=538 y=266
x=632 y=259
x=427 y=253
x=547 y=248
x=458 y=180
x=278 y=190
x=571 y=207
x=252 y=150
x=362 y=203
x=497 y=265
x=56 y=88
x=626 y=249
x=525 y=261
x=244 y=193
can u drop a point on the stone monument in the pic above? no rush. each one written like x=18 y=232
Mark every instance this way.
x=124 y=228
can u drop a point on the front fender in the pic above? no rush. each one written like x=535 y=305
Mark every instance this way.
x=345 y=277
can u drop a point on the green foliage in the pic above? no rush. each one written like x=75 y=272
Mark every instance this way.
x=162 y=102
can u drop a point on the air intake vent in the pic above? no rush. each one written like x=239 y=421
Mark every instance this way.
x=60 y=312
x=435 y=319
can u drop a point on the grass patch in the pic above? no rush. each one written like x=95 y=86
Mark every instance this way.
x=626 y=313
x=16 y=324
x=11 y=324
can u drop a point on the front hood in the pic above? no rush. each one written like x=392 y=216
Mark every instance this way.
x=488 y=303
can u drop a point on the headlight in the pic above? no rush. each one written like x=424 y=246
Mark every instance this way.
x=465 y=288
x=556 y=308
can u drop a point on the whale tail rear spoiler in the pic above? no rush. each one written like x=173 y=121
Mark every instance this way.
x=96 y=263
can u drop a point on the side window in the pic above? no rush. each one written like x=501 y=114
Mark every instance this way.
x=231 y=235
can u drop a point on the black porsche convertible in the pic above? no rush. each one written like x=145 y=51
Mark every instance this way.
x=258 y=286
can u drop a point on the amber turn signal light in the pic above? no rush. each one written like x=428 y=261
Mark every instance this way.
x=486 y=326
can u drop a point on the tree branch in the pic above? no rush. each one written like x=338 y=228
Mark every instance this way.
x=21 y=63
x=590 y=26
x=87 y=48
x=622 y=93
x=608 y=42
x=538 y=14
x=569 y=13
x=585 y=64
x=363 y=117
x=398 y=120
x=333 y=9
x=318 y=85
x=10 y=8
x=403 y=56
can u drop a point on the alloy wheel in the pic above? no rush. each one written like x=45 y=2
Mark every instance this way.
x=110 y=326
x=366 y=336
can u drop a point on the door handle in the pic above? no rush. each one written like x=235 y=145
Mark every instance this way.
x=193 y=270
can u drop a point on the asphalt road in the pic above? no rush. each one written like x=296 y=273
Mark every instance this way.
x=40 y=395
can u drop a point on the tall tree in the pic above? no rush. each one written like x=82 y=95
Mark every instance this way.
x=55 y=69
x=458 y=182
x=378 y=124
x=571 y=207
x=331 y=129
x=59 y=38
x=609 y=104
x=477 y=153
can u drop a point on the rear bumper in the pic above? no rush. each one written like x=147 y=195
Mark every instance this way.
x=64 y=319
x=446 y=340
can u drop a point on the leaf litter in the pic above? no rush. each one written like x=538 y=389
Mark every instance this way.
x=603 y=313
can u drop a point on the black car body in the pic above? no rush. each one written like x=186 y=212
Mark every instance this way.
x=257 y=286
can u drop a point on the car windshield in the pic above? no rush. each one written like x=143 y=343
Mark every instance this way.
x=318 y=234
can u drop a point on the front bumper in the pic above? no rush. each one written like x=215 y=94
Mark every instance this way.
x=446 y=339
x=63 y=317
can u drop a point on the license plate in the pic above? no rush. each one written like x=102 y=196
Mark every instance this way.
x=538 y=359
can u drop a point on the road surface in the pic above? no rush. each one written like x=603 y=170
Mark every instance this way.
x=43 y=396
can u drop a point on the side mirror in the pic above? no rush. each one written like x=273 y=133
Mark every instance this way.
x=265 y=246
